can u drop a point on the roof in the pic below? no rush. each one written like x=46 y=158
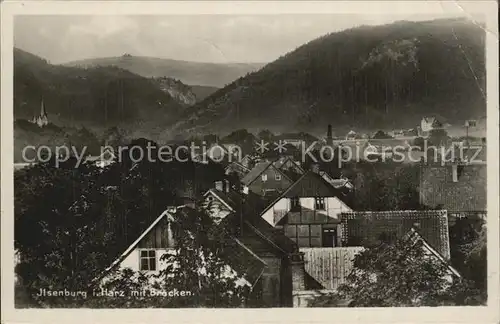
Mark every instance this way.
x=236 y=253
x=310 y=184
x=367 y=228
x=255 y=172
x=414 y=236
x=437 y=189
x=167 y=213
x=251 y=223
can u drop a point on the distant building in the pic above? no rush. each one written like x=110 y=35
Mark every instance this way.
x=428 y=124
x=352 y=135
x=265 y=179
x=41 y=120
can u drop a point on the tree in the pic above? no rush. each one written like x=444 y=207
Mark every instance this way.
x=420 y=142
x=265 y=135
x=381 y=135
x=438 y=137
x=197 y=265
x=400 y=274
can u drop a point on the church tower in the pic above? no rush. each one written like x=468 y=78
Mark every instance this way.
x=42 y=119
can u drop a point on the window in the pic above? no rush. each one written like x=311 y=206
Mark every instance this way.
x=264 y=177
x=277 y=176
x=319 y=203
x=147 y=260
x=304 y=235
x=295 y=204
x=329 y=237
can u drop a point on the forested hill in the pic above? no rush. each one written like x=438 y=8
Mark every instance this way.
x=100 y=96
x=365 y=77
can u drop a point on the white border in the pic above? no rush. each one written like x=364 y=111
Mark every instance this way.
x=488 y=314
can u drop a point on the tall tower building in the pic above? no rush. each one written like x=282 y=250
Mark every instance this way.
x=329 y=135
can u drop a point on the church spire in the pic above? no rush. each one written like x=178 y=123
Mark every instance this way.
x=43 y=113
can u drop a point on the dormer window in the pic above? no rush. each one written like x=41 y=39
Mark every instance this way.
x=264 y=177
x=319 y=203
x=277 y=177
x=147 y=260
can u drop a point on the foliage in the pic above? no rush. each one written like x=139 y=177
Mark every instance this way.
x=71 y=223
x=400 y=274
x=420 y=142
x=438 y=137
x=384 y=185
x=381 y=135
x=369 y=76
x=96 y=96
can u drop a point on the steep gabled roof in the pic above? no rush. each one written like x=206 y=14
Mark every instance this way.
x=364 y=228
x=239 y=256
x=310 y=184
x=437 y=189
x=257 y=170
x=247 y=222
x=414 y=236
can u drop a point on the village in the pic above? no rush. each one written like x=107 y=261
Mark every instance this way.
x=297 y=225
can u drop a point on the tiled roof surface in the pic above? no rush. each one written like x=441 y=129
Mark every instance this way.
x=367 y=228
x=310 y=184
x=255 y=172
x=437 y=189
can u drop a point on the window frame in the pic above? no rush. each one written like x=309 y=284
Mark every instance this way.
x=149 y=258
x=321 y=202
x=295 y=204
x=329 y=230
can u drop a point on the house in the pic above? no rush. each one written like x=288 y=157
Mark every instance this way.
x=217 y=153
x=308 y=214
x=266 y=180
x=289 y=166
x=308 y=211
x=459 y=188
x=103 y=160
x=429 y=123
x=367 y=228
x=352 y=135
x=296 y=142
x=283 y=274
x=248 y=161
x=398 y=133
x=238 y=168
x=263 y=259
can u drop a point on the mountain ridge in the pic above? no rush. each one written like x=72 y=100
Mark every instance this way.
x=188 y=72
x=367 y=77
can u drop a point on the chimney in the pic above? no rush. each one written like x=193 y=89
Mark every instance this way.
x=315 y=168
x=245 y=190
x=329 y=136
x=227 y=186
x=454 y=172
x=219 y=185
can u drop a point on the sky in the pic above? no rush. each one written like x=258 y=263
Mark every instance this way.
x=200 y=38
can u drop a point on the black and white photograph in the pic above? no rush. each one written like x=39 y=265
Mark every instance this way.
x=252 y=159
